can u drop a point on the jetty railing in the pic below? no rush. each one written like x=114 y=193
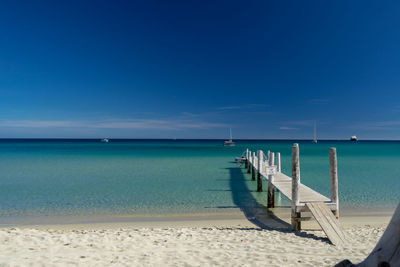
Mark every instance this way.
x=303 y=199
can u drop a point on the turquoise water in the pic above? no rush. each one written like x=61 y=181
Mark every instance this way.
x=43 y=178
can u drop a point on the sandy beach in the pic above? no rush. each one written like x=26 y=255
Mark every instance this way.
x=199 y=133
x=186 y=242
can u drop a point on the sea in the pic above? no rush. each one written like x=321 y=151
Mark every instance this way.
x=85 y=177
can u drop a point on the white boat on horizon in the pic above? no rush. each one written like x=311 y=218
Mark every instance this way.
x=229 y=142
x=353 y=138
x=105 y=140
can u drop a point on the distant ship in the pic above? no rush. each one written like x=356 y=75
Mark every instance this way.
x=353 y=138
x=229 y=142
x=104 y=140
x=315 y=133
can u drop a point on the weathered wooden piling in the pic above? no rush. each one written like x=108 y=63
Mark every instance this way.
x=246 y=158
x=246 y=163
x=271 y=162
x=295 y=216
x=278 y=162
x=253 y=169
x=271 y=187
x=334 y=180
x=250 y=163
x=259 y=170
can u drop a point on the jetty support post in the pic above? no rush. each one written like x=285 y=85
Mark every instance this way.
x=253 y=169
x=334 y=180
x=295 y=216
x=246 y=160
x=271 y=187
x=249 y=162
x=259 y=170
x=278 y=169
x=278 y=162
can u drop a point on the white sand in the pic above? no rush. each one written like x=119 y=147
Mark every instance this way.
x=181 y=246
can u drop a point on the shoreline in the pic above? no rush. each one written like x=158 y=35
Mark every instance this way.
x=276 y=218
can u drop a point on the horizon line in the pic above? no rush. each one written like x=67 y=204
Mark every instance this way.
x=219 y=139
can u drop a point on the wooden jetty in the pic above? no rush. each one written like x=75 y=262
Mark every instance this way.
x=304 y=199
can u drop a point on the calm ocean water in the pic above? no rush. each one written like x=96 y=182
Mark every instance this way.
x=149 y=177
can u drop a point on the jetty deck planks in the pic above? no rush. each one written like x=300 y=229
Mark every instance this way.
x=283 y=183
x=328 y=222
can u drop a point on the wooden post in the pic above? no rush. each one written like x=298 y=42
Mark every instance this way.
x=259 y=170
x=271 y=162
x=268 y=155
x=249 y=162
x=278 y=169
x=295 y=216
x=278 y=162
x=271 y=187
x=247 y=158
x=334 y=179
x=253 y=170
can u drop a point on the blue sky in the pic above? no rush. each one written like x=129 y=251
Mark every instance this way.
x=192 y=69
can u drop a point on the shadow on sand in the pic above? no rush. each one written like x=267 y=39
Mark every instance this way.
x=254 y=211
x=244 y=199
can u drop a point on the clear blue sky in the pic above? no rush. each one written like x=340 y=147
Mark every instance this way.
x=192 y=69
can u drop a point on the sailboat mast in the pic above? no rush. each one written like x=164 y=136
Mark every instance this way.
x=230 y=133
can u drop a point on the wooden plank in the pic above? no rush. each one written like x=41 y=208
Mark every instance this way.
x=323 y=222
x=303 y=208
x=283 y=183
x=334 y=222
x=327 y=221
x=304 y=218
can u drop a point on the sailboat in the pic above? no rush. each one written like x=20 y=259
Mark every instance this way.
x=315 y=133
x=229 y=142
